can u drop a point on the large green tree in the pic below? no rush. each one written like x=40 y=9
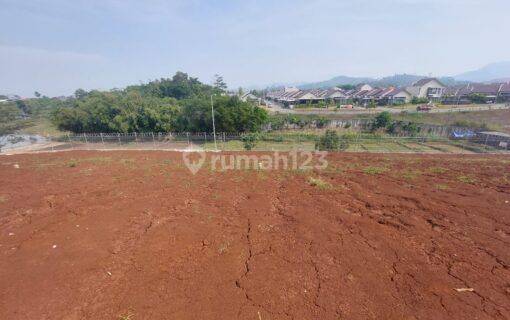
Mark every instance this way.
x=181 y=103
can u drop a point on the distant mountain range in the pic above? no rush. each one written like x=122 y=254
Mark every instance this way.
x=490 y=73
x=495 y=72
x=336 y=81
x=398 y=80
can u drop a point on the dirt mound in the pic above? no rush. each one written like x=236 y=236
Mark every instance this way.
x=134 y=235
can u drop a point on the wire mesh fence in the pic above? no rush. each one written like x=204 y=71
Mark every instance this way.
x=267 y=142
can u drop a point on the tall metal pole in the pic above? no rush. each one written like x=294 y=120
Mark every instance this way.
x=213 y=124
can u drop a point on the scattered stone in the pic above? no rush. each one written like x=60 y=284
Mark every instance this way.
x=16 y=166
x=465 y=290
x=54 y=246
x=11 y=234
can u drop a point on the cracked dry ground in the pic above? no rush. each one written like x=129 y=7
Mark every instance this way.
x=97 y=235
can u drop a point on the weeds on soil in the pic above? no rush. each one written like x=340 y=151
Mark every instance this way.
x=319 y=183
x=374 y=170
x=438 y=170
x=466 y=179
x=411 y=175
x=126 y=317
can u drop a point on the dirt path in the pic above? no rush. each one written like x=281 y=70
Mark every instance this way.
x=103 y=235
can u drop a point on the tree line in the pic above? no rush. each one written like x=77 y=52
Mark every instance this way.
x=180 y=104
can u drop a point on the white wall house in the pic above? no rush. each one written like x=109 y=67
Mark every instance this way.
x=401 y=96
x=429 y=88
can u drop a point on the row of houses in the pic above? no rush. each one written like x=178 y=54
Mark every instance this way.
x=429 y=89
x=488 y=93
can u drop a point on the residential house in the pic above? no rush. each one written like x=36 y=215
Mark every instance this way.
x=429 y=88
x=504 y=93
x=489 y=91
x=337 y=95
x=364 y=87
x=464 y=94
x=310 y=96
x=394 y=96
x=452 y=95
x=248 y=97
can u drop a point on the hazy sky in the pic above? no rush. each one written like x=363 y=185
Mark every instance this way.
x=56 y=46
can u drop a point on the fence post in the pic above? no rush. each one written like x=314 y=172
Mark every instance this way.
x=102 y=140
x=69 y=138
x=118 y=137
x=187 y=135
x=51 y=142
x=85 y=136
x=223 y=141
x=153 y=141
x=136 y=139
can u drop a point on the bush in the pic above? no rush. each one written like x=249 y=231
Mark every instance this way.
x=417 y=100
x=330 y=141
x=478 y=98
x=250 y=140
x=321 y=122
x=383 y=120
x=179 y=104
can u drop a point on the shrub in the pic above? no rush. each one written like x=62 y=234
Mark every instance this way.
x=478 y=98
x=466 y=179
x=321 y=122
x=417 y=100
x=383 y=120
x=319 y=183
x=250 y=140
x=374 y=170
x=330 y=141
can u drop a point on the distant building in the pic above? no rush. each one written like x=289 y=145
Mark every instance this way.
x=504 y=93
x=364 y=87
x=429 y=88
x=495 y=92
x=364 y=94
x=398 y=96
x=249 y=97
x=337 y=95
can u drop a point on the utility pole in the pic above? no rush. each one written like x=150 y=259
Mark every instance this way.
x=213 y=124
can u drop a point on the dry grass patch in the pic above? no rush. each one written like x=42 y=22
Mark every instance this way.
x=466 y=179
x=319 y=183
x=374 y=170
x=438 y=170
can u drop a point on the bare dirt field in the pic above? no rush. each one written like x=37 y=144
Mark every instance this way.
x=134 y=235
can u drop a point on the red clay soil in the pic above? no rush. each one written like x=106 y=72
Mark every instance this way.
x=133 y=235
